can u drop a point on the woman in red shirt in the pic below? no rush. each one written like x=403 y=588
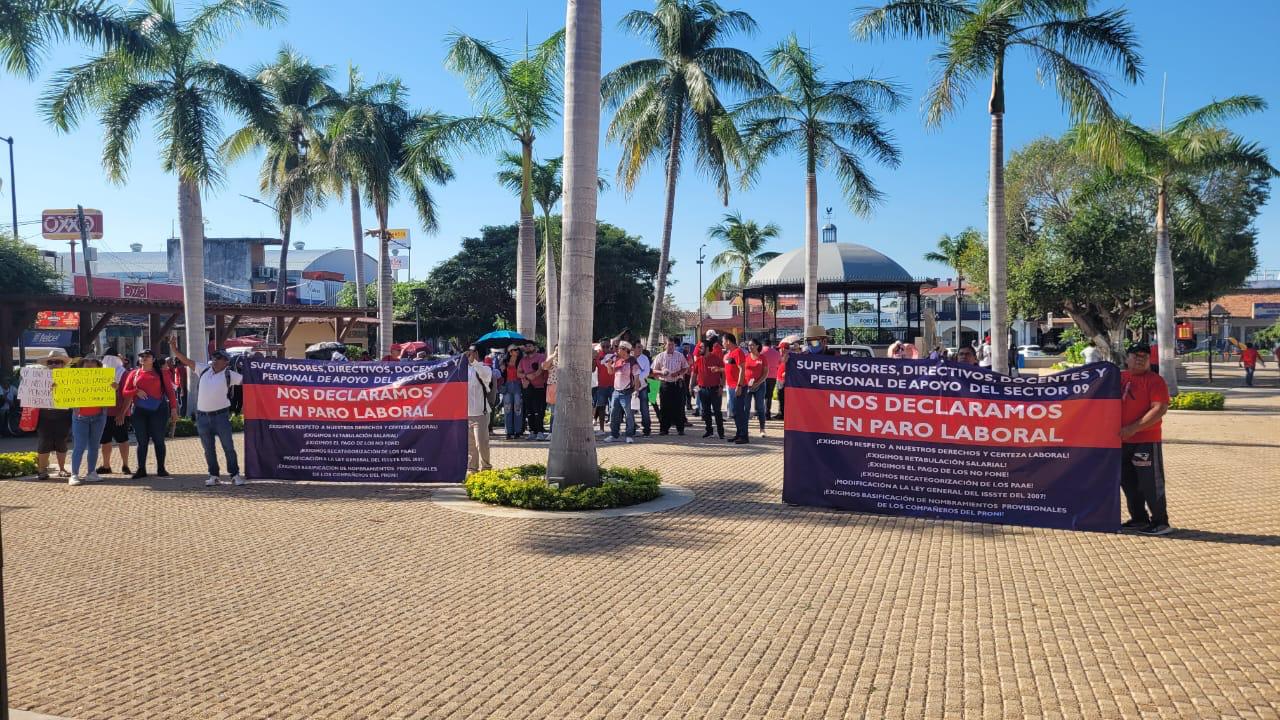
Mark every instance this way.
x=154 y=409
x=756 y=372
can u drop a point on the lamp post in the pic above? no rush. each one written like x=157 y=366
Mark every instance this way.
x=959 y=305
x=1219 y=312
x=13 y=188
x=701 y=259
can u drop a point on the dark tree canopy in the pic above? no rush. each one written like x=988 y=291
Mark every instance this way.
x=22 y=270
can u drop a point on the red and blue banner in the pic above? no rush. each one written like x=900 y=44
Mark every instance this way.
x=957 y=442
x=351 y=421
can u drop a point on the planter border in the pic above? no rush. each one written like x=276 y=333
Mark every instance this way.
x=455 y=498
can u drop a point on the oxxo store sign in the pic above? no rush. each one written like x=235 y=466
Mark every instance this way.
x=65 y=224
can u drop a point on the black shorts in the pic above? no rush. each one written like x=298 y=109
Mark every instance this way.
x=53 y=430
x=113 y=433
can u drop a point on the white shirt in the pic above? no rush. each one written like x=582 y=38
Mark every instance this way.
x=984 y=355
x=643 y=361
x=213 y=387
x=477 y=373
x=669 y=363
x=1091 y=355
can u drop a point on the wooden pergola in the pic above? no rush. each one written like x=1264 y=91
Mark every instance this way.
x=18 y=311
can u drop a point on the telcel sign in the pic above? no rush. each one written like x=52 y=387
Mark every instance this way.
x=63 y=224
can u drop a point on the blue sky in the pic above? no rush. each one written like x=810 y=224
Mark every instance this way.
x=939 y=188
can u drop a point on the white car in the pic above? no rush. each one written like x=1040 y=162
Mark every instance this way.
x=1030 y=351
x=862 y=351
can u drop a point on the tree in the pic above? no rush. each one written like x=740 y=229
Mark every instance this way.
x=396 y=150
x=1169 y=160
x=826 y=124
x=952 y=252
x=546 y=189
x=22 y=270
x=1059 y=35
x=347 y=143
x=744 y=242
x=1082 y=239
x=657 y=101
x=176 y=81
x=29 y=27
x=572 y=457
x=289 y=127
x=519 y=98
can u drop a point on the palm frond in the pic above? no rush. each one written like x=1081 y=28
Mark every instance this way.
x=215 y=21
x=913 y=19
x=1105 y=37
x=1219 y=112
x=484 y=68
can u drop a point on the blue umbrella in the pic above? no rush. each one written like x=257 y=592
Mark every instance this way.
x=498 y=338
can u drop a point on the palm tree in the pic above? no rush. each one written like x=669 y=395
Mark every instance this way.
x=519 y=98
x=744 y=242
x=546 y=189
x=1059 y=35
x=395 y=150
x=1172 y=160
x=658 y=100
x=290 y=128
x=345 y=143
x=571 y=459
x=952 y=250
x=177 y=82
x=828 y=124
x=29 y=27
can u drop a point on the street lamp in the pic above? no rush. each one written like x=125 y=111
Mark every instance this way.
x=701 y=259
x=13 y=188
x=959 y=305
x=1219 y=312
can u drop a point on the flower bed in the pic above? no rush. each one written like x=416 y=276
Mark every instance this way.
x=526 y=487
x=1200 y=400
x=17 y=464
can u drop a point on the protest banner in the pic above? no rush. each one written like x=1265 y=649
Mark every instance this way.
x=84 y=387
x=336 y=421
x=35 y=387
x=958 y=442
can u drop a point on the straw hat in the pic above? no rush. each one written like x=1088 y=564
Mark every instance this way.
x=815 y=332
x=54 y=354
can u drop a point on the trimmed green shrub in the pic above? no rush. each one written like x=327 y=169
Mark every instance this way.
x=1198 y=401
x=17 y=464
x=526 y=487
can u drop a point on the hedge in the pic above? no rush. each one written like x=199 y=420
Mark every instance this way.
x=17 y=464
x=1198 y=401
x=526 y=487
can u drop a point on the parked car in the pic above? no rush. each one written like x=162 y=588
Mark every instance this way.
x=1030 y=351
x=862 y=351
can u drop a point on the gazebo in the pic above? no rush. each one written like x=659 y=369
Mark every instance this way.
x=845 y=269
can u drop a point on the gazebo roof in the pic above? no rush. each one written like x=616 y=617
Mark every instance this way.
x=840 y=266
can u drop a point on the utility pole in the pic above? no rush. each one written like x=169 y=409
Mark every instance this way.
x=701 y=259
x=88 y=273
x=13 y=200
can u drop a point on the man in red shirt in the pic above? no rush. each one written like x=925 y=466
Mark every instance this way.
x=709 y=367
x=736 y=385
x=1144 y=399
x=1249 y=357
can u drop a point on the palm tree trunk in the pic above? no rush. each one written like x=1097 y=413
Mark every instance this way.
x=357 y=244
x=1164 y=294
x=552 y=284
x=386 y=311
x=997 y=251
x=572 y=457
x=811 y=245
x=526 y=251
x=191 y=224
x=664 y=255
x=282 y=279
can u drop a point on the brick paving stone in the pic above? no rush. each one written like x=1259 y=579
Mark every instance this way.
x=161 y=599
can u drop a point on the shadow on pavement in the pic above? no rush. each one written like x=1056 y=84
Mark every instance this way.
x=284 y=491
x=1224 y=537
x=1220 y=443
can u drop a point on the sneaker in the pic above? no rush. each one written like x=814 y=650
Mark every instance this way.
x=610 y=439
x=211 y=481
x=707 y=434
x=1134 y=524
x=1154 y=529
x=740 y=441
x=630 y=440
x=104 y=470
x=762 y=433
x=237 y=479
x=93 y=477
x=139 y=474
x=162 y=473
x=73 y=480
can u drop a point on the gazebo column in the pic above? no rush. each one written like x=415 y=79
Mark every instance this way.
x=746 y=316
x=847 y=341
x=878 y=331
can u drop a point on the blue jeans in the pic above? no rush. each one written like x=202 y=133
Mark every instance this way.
x=1248 y=375
x=209 y=425
x=513 y=408
x=757 y=397
x=86 y=431
x=645 y=419
x=738 y=411
x=619 y=406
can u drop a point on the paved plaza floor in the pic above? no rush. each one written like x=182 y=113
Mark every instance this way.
x=162 y=599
